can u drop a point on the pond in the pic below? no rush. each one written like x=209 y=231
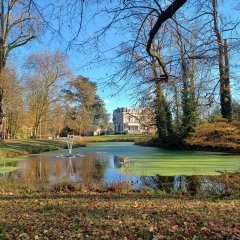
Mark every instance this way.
x=104 y=163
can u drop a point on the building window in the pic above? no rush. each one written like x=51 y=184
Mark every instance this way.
x=133 y=128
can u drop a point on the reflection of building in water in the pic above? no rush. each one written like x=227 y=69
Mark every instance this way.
x=125 y=163
x=119 y=161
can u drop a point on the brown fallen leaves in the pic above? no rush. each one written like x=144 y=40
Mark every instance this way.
x=116 y=216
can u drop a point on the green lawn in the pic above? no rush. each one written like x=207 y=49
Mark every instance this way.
x=114 y=138
x=7 y=169
x=14 y=148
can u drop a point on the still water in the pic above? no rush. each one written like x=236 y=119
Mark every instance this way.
x=104 y=163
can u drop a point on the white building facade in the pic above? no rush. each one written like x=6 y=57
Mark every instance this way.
x=127 y=120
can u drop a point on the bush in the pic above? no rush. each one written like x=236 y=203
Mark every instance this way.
x=216 y=135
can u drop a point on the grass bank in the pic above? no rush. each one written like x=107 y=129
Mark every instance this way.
x=75 y=215
x=15 y=148
x=115 y=138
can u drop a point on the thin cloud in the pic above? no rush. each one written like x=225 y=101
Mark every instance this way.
x=106 y=101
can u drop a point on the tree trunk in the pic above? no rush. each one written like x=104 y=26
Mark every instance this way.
x=223 y=65
x=188 y=100
x=226 y=109
x=2 y=65
x=188 y=90
x=1 y=106
x=177 y=104
x=163 y=114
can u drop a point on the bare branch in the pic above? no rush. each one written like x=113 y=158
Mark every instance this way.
x=164 y=16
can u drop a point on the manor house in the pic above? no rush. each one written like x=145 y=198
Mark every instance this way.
x=127 y=120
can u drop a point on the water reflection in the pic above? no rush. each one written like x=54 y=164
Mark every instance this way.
x=101 y=169
x=190 y=184
x=52 y=169
x=163 y=183
x=125 y=163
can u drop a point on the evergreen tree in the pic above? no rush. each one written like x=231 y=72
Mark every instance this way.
x=163 y=118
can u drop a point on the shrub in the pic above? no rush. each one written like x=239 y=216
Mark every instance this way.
x=217 y=135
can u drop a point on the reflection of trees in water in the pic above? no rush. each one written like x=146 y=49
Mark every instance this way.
x=58 y=167
x=47 y=169
x=191 y=184
x=163 y=183
x=36 y=170
x=100 y=169
x=93 y=168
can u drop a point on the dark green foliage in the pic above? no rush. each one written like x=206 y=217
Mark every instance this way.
x=189 y=113
x=100 y=115
x=167 y=134
x=163 y=119
x=66 y=130
x=85 y=109
x=80 y=90
x=235 y=111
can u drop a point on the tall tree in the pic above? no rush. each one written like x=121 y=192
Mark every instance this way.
x=162 y=17
x=85 y=109
x=48 y=71
x=13 y=120
x=79 y=98
x=223 y=66
x=100 y=115
x=187 y=66
x=18 y=26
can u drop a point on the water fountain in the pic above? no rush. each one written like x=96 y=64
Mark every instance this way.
x=69 y=140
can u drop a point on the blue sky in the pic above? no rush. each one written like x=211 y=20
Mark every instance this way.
x=79 y=60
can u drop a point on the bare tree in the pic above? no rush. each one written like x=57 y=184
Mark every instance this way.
x=18 y=26
x=223 y=64
x=13 y=105
x=48 y=72
x=132 y=19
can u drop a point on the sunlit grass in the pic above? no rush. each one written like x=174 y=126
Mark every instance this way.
x=7 y=169
x=16 y=148
x=114 y=138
